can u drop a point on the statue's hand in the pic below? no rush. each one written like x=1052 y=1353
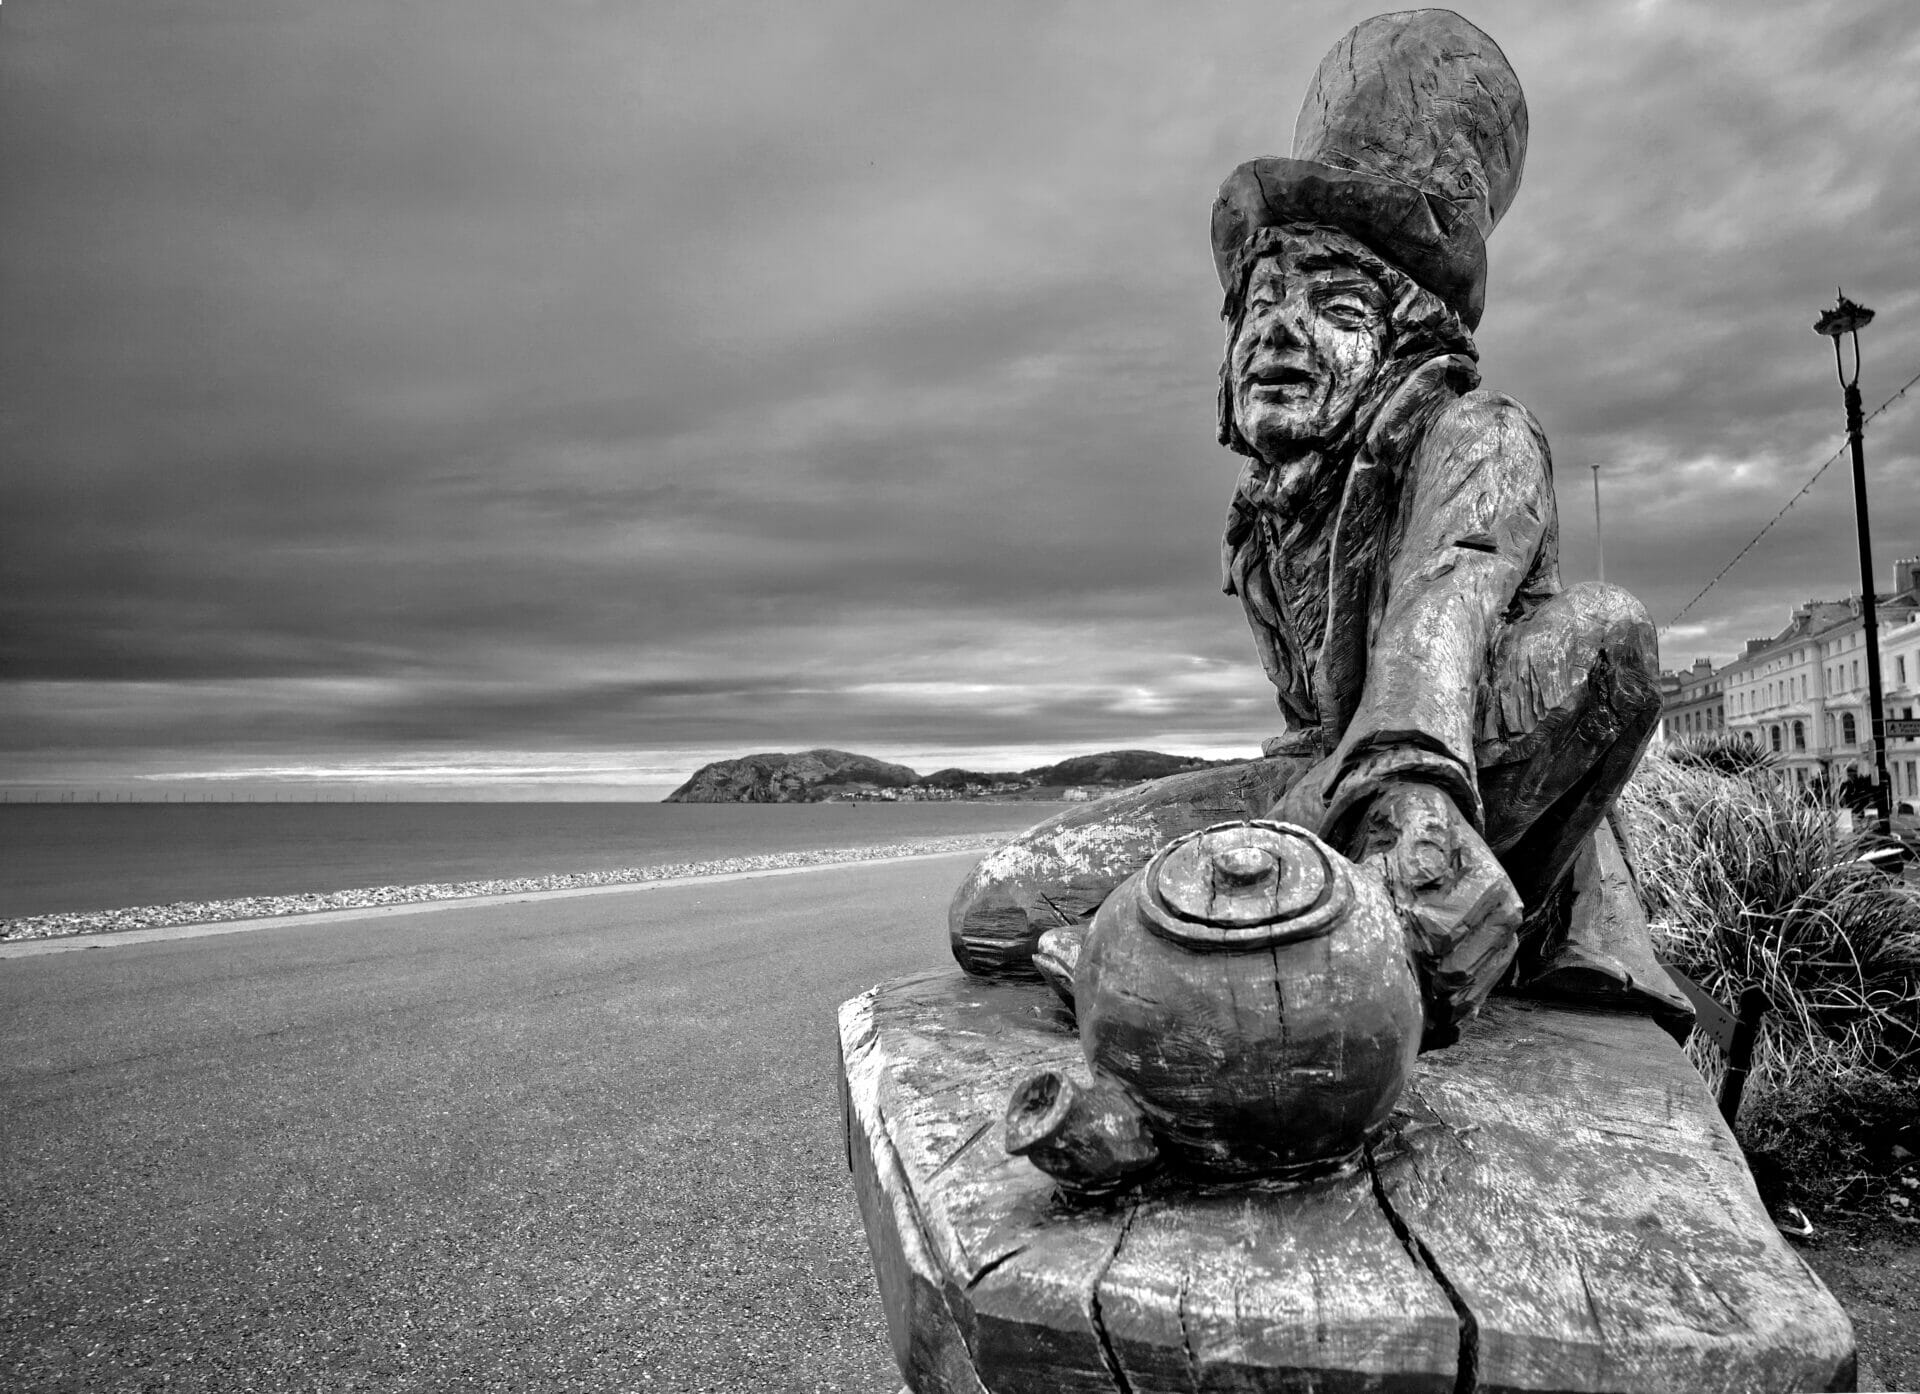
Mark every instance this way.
x=1461 y=912
x=1304 y=804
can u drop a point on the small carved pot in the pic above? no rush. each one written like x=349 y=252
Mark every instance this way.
x=1252 y=993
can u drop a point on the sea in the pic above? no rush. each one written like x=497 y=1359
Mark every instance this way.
x=64 y=857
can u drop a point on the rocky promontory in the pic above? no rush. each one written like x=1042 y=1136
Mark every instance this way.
x=812 y=776
x=1117 y=768
x=807 y=777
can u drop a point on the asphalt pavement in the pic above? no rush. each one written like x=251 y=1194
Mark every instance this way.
x=579 y=1144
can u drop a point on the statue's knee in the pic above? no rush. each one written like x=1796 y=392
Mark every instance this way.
x=1606 y=619
x=1058 y=872
x=1625 y=648
x=1053 y=874
x=1590 y=648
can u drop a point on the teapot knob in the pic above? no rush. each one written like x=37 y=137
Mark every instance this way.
x=1241 y=868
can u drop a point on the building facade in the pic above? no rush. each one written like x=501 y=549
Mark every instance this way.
x=1803 y=694
x=1692 y=702
x=1776 y=696
x=1900 y=677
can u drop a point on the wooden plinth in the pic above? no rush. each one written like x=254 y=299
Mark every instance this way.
x=1557 y=1207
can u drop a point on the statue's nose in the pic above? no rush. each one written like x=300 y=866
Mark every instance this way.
x=1283 y=325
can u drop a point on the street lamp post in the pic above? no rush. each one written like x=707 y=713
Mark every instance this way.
x=1599 y=542
x=1849 y=318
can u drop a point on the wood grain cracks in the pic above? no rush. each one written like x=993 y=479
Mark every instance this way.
x=965 y=1143
x=1186 y=1330
x=1562 y=1174
x=1279 y=995
x=1467 y=1371
x=986 y=1270
x=1593 y=1306
x=1094 y=1315
x=1059 y=914
x=923 y=1326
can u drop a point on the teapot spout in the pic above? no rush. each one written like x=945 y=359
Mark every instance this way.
x=1092 y=1138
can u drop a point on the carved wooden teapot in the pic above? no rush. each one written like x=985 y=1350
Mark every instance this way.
x=1247 y=1008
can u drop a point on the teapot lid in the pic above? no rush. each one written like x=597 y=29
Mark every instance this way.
x=1246 y=885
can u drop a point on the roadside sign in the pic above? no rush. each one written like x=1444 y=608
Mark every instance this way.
x=1902 y=726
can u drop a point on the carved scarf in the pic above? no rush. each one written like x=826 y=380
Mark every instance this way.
x=1325 y=560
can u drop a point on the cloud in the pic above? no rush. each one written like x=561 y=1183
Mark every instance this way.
x=661 y=376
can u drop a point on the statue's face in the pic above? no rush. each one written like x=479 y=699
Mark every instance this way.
x=1312 y=335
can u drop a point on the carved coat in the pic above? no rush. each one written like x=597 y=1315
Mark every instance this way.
x=1445 y=533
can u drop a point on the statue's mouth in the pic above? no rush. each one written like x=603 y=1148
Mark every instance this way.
x=1279 y=379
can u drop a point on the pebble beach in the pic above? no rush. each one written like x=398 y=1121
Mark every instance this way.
x=60 y=925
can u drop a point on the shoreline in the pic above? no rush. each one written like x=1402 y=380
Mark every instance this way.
x=75 y=924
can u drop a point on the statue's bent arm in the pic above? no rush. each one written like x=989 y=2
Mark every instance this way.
x=1475 y=515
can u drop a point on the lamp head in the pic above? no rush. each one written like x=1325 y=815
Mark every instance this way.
x=1846 y=317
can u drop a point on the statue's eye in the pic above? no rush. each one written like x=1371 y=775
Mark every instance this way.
x=1347 y=311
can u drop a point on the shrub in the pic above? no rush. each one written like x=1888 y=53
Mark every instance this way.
x=1733 y=755
x=1748 y=883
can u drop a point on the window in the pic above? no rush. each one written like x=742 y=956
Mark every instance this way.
x=1799 y=735
x=1901 y=664
x=1774 y=731
x=1856 y=672
x=1846 y=728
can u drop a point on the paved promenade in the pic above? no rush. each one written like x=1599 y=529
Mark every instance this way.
x=572 y=1143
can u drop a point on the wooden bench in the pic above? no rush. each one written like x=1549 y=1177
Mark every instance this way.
x=1558 y=1206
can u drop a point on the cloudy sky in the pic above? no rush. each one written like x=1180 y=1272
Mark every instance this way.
x=585 y=390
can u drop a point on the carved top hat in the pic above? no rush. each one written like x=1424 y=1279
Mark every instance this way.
x=1411 y=139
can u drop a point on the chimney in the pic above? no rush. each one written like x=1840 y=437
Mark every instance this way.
x=1702 y=665
x=1906 y=575
x=1754 y=646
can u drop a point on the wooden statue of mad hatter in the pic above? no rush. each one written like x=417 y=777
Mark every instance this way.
x=1455 y=718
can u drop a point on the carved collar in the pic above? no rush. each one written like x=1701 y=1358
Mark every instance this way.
x=1397 y=427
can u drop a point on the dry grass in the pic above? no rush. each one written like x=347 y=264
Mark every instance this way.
x=1749 y=884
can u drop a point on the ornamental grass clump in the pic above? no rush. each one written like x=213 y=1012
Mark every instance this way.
x=1750 y=883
